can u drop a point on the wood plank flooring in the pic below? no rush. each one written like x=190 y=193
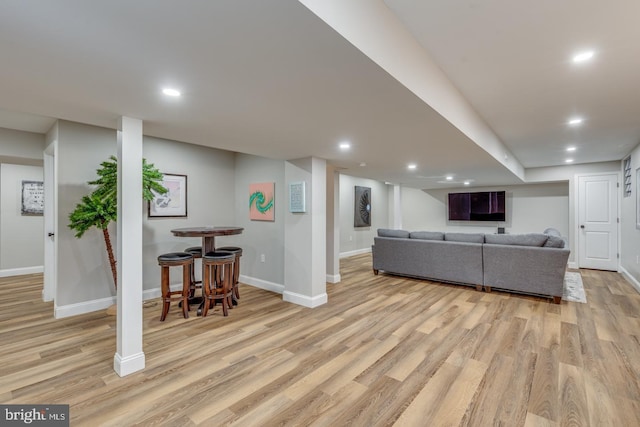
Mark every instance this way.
x=384 y=351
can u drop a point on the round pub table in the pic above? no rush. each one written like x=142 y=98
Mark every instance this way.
x=208 y=235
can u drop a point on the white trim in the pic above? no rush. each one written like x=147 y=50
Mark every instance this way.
x=356 y=252
x=21 y=271
x=573 y=265
x=103 y=303
x=62 y=311
x=129 y=364
x=333 y=278
x=262 y=284
x=304 y=300
x=630 y=278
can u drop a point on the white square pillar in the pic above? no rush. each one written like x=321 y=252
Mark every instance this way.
x=129 y=356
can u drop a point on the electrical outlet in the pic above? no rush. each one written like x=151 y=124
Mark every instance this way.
x=261 y=257
x=350 y=238
x=637 y=259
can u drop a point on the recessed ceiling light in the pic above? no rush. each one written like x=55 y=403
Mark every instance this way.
x=449 y=178
x=345 y=145
x=569 y=161
x=583 y=56
x=575 y=121
x=467 y=183
x=171 y=92
x=363 y=164
x=570 y=149
x=412 y=166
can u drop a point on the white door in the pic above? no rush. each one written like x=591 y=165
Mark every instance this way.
x=50 y=224
x=598 y=221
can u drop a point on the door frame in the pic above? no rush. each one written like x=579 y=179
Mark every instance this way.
x=576 y=227
x=50 y=222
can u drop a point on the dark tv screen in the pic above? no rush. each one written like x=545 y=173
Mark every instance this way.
x=478 y=206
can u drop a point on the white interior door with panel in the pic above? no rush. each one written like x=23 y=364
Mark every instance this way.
x=598 y=221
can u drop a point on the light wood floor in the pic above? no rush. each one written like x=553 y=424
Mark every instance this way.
x=384 y=351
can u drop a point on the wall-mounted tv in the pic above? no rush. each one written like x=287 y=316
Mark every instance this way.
x=478 y=206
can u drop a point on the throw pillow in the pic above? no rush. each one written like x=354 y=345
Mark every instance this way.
x=554 y=242
x=552 y=232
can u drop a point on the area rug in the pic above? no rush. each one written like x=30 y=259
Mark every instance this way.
x=573 y=288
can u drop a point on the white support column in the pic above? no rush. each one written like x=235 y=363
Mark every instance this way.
x=397 y=207
x=305 y=258
x=129 y=356
x=333 y=225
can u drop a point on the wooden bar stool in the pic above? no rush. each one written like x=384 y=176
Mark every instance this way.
x=217 y=281
x=196 y=252
x=175 y=259
x=236 y=268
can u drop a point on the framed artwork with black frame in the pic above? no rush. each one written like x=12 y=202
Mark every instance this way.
x=174 y=202
x=32 y=198
x=362 y=207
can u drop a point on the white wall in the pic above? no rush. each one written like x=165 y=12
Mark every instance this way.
x=630 y=234
x=21 y=237
x=210 y=200
x=260 y=237
x=83 y=272
x=21 y=148
x=21 y=244
x=530 y=208
x=359 y=239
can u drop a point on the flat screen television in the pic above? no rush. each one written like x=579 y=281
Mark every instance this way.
x=478 y=206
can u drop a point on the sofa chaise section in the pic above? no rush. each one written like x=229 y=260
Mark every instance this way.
x=527 y=269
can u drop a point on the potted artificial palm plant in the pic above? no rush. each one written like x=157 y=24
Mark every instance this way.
x=100 y=207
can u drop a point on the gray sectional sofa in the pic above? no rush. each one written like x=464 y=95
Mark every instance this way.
x=528 y=263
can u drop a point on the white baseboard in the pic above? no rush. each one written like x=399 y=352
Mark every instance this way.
x=333 y=278
x=102 y=303
x=573 y=265
x=630 y=278
x=62 y=311
x=304 y=300
x=21 y=271
x=128 y=365
x=262 y=284
x=356 y=252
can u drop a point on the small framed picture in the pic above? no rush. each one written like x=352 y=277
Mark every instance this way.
x=297 y=203
x=173 y=203
x=32 y=198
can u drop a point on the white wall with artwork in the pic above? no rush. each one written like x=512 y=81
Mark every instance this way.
x=21 y=220
x=355 y=235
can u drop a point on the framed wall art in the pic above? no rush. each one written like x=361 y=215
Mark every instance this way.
x=174 y=202
x=362 y=207
x=262 y=201
x=297 y=197
x=32 y=198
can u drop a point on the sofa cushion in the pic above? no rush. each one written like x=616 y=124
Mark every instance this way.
x=387 y=232
x=554 y=242
x=427 y=235
x=531 y=239
x=464 y=237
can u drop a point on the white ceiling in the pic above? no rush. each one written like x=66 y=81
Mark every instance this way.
x=272 y=79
